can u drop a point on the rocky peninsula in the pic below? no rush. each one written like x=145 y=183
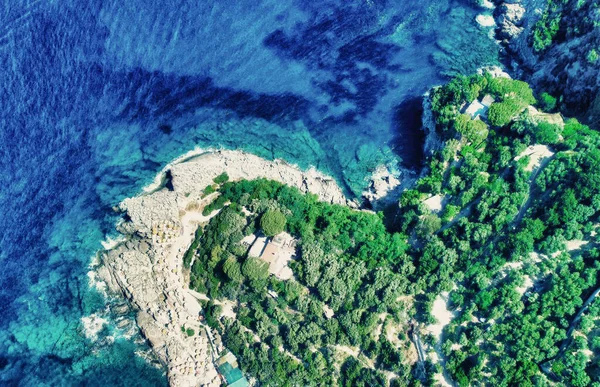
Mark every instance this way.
x=158 y=227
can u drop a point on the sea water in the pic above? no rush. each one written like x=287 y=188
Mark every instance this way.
x=97 y=96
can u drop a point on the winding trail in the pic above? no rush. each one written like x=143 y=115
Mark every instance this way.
x=544 y=163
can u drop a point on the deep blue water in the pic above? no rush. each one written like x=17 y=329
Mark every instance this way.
x=96 y=96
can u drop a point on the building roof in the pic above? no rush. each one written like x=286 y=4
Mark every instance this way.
x=270 y=252
x=227 y=358
x=257 y=248
x=476 y=109
x=487 y=100
x=228 y=367
x=243 y=382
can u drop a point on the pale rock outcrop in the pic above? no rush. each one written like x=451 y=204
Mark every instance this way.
x=386 y=185
x=510 y=20
x=194 y=175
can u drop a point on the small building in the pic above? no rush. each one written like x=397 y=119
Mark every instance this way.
x=479 y=109
x=276 y=251
x=257 y=247
x=270 y=252
x=487 y=101
x=229 y=369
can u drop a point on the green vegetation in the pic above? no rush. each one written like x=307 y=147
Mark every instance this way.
x=504 y=112
x=209 y=189
x=593 y=56
x=547 y=102
x=347 y=262
x=189 y=331
x=545 y=30
x=189 y=254
x=508 y=215
x=497 y=247
x=272 y=222
x=222 y=178
x=565 y=38
x=216 y=204
x=511 y=96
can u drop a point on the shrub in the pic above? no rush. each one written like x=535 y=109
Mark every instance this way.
x=445 y=100
x=546 y=133
x=233 y=270
x=189 y=254
x=502 y=113
x=506 y=88
x=450 y=212
x=208 y=190
x=217 y=204
x=544 y=31
x=474 y=131
x=272 y=222
x=547 y=102
x=429 y=225
x=222 y=178
x=592 y=56
x=255 y=269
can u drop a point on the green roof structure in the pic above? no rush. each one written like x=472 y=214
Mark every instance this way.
x=228 y=368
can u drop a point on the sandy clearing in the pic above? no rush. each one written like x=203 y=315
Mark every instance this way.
x=536 y=154
x=575 y=244
x=442 y=314
x=526 y=285
x=227 y=310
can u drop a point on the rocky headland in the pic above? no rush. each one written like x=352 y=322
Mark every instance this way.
x=158 y=227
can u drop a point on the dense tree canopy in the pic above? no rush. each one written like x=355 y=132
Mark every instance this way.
x=272 y=222
x=500 y=251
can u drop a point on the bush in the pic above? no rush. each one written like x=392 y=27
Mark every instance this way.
x=429 y=225
x=272 y=222
x=506 y=88
x=233 y=270
x=446 y=100
x=546 y=133
x=474 y=131
x=255 y=269
x=189 y=254
x=208 y=190
x=217 y=204
x=450 y=212
x=544 y=31
x=547 y=102
x=502 y=113
x=592 y=56
x=222 y=178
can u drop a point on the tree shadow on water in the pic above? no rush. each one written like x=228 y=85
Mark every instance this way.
x=409 y=138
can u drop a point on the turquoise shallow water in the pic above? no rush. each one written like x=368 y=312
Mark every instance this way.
x=97 y=96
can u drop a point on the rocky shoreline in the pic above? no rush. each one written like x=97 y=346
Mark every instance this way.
x=158 y=227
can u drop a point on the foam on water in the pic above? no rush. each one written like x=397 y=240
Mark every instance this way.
x=99 y=95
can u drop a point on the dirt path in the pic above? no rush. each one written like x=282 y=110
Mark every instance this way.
x=534 y=175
